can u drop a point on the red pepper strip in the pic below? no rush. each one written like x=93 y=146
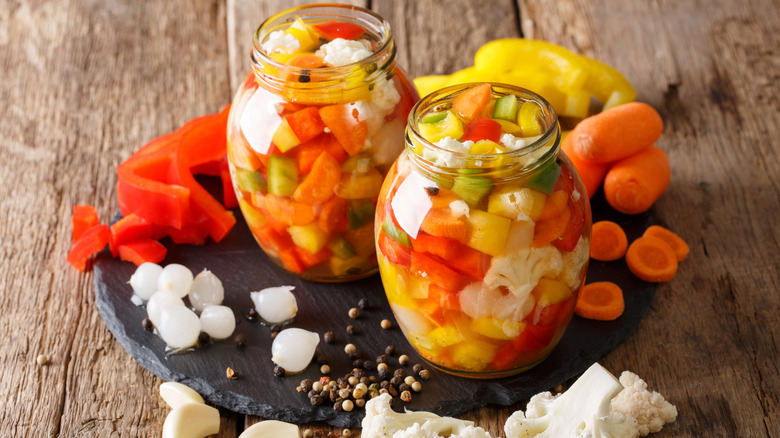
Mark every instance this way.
x=84 y=216
x=91 y=241
x=143 y=188
x=433 y=268
x=129 y=228
x=339 y=29
x=482 y=129
x=228 y=193
x=141 y=251
x=190 y=234
x=579 y=213
x=394 y=251
x=202 y=137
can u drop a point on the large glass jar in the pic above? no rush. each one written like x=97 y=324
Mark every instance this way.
x=311 y=134
x=482 y=255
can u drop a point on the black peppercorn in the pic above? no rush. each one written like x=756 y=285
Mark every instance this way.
x=432 y=191
x=363 y=303
x=329 y=337
x=389 y=350
x=316 y=400
x=147 y=324
x=279 y=371
x=204 y=338
x=417 y=367
x=351 y=329
x=306 y=384
x=368 y=365
x=276 y=328
x=357 y=363
x=240 y=340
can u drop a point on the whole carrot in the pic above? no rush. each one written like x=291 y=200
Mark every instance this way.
x=616 y=133
x=592 y=174
x=633 y=184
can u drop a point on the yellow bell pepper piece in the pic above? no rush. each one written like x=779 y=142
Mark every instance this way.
x=474 y=355
x=428 y=84
x=529 y=118
x=607 y=85
x=489 y=232
x=445 y=336
x=577 y=104
x=497 y=329
x=309 y=237
x=395 y=280
x=304 y=34
x=451 y=126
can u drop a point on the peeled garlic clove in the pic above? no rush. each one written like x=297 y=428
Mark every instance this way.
x=191 y=420
x=293 y=349
x=271 y=428
x=176 y=394
x=275 y=304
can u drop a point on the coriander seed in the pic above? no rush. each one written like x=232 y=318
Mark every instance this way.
x=354 y=313
x=386 y=324
x=325 y=369
x=403 y=360
x=350 y=349
x=416 y=386
x=347 y=405
x=409 y=380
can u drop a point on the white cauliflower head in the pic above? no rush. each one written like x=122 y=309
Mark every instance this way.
x=382 y=422
x=650 y=409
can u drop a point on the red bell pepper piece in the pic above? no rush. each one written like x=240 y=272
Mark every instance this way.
x=228 y=193
x=190 y=234
x=394 y=251
x=141 y=251
x=129 y=228
x=273 y=239
x=447 y=299
x=91 y=241
x=291 y=261
x=143 y=188
x=306 y=123
x=202 y=140
x=310 y=259
x=579 y=213
x=534 y=337
x=482 y=129
x=554 y=314
x=437 y=271
x=339 y=29
x=458 y=256
x=348 y=130
x=84 y=216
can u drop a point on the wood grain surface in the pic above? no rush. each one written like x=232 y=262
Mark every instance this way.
x=87 y=82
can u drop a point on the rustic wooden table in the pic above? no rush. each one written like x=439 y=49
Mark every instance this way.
x=87 y=82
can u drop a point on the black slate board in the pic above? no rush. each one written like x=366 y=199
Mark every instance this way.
x=243 y=268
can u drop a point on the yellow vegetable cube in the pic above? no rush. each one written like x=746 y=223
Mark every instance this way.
x=549 y=291
x=304 y=34
x=497 y=329
x=254 y=217
x=489 y=232
x=445 y=336
x=284 y=138
x=517 y=203
x=450 y=126
x=473 y=355
x=309 y=237
x=529 y=118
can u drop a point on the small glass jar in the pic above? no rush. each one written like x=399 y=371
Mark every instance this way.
x=482 y=256
x=309 y=143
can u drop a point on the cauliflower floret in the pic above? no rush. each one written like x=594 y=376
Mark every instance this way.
x=582 y=411
x=341 y=52
x=281 y=42
x=384 y=95
x=445 y=158
x=512 y=142
x=416 y=431
x=382 y=422
x=437 y=429
x=573 y=263
x=521 y=270
x=650 y=409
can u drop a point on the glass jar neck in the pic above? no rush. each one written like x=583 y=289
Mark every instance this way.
x=524 y=162
x=277 y=76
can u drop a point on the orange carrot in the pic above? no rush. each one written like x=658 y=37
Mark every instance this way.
x=333 y=216
x=440 y=222
x=592 y=174
x=288 y=211
x=651 y=259
x=554 y=205
x=633 y=184
x=319 y=183
x=602 y=300
x=551 y=229
x=473 y=102
x=678 y=245
x=616 y=133
x=608 y=241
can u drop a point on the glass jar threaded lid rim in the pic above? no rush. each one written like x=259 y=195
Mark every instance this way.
x=536 y=154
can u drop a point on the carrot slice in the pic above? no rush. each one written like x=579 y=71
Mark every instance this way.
x=344 y=124
x=472 y=102
x=547 y=231
x=602 y=300
x=288 y=211
x=651 y=259
x=555 y=205
x=319 y=183
x=440 y=222
x=608 y=241
x=333 y=216
x=678 y=245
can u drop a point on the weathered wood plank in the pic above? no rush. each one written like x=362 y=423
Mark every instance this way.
x=85 y=83
x=710 y=343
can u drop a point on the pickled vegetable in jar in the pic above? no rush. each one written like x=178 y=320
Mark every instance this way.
x=311 y=134
x=482 y=231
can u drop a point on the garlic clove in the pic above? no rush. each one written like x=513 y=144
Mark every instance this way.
x=191 y=420
x=271 y=428
x=176 y=394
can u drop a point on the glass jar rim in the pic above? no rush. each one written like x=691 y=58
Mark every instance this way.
x=369 y=20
